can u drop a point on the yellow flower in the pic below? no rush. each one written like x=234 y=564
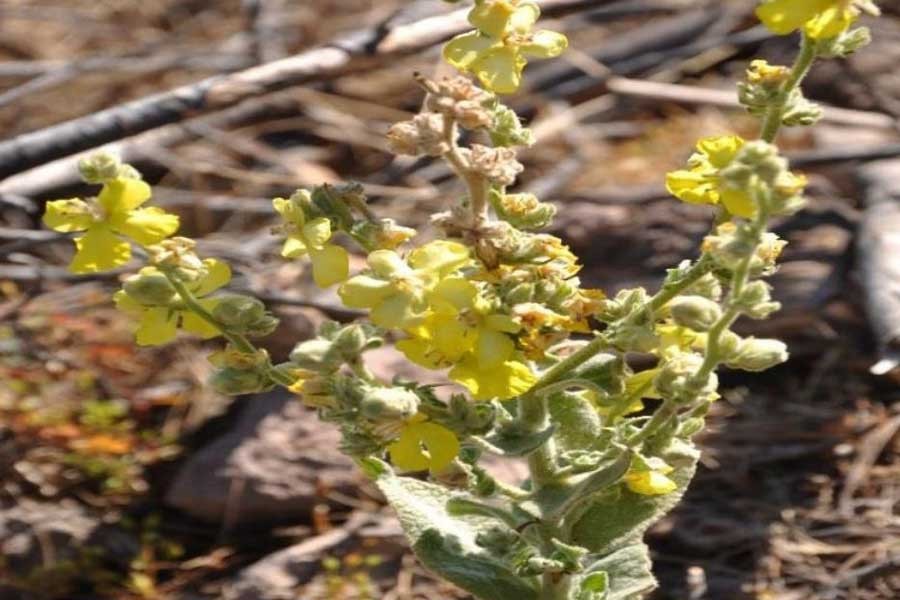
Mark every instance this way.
x=700 y=182
x=423 y=445
x=506 y=380
x=395 y=289
x=115 y=213
x=497 y=52
x=330 y=262
x=158 y=325
x=459 y=322
x=648 y=477
x=462 y=330
x=820 y=19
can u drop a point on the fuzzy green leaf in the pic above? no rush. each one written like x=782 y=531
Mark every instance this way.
x=577 y=423
x=446 y=544
x=619 y=517
x=628 y=575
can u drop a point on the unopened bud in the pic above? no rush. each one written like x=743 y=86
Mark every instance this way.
x=150 y=288
x=695 y=312
x=389 y=404
x=234 y=382
x=507 y=129
x=523 y=211
x=756 y=300
x=238 y=311
x=677 y=379
x=758 y=354
x=100 y=168
x=423 y=134
x=315 y=355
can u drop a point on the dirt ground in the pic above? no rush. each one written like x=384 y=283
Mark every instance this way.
x=798 y=495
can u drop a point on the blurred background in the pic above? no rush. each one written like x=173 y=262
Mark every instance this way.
x=121 y=476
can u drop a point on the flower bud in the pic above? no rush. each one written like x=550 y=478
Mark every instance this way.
x=315 y=355
x=350 y=341
x=507 y=130
x=520 y=294
x=238 y=311
x=234 y=382
x=845 y=44
x=756 y=302
x=423 y=134
x=497 y=164
x=677 y=378
x=523 y=211
x=758 y=354
x=800 y=111
x=695 y=312
x=389 y=404
x=150 y=288
x=100 y=168
x=728 y=343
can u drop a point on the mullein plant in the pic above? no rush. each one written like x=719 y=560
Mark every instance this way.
x=539 y=361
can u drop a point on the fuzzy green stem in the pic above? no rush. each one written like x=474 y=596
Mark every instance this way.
x=241 y=343
x=534 y=416
x=775 y=114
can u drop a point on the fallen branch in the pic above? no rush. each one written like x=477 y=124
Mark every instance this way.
x=353 y=51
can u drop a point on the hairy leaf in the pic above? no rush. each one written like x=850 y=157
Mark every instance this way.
x=628 y=575
x=619 y=517
x=446 y=544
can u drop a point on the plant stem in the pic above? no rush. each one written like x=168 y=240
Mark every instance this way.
x=476 y=183
x=534 y=416
x=775 y=114
x=241 y=343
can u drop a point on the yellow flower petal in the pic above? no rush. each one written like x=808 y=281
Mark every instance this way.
x=784 y=16
x=450 y=336
x=394 y=313
x=441 y=257
x=463 y=50
x=317 y=232
x=500 y=69
x=720 y=150
x=524 y=18
x=289 y=211
x=508 y=380
x=364 y=291
x=67 y=215
x=192 y=323
x=491 y=17
x=421 y=352
x=146 y=226
x=739 y=203
x=454 y=294
x=504 y=323
x=545 y=44
x=99 y=250
x=831 y=22
x=649 y=483
x=123 y=195
x=157 y=326
x=424 y=445
x=330 y=265
x=218 y=274
x=693 y=186
x=293 y=247
x=493 y=348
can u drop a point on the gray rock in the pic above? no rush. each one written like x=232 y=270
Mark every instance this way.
x=39 y=534
x=278 y=575
x=275 y=465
